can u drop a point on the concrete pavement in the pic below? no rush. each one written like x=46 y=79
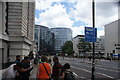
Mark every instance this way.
x=1 y=71
x=34 y=71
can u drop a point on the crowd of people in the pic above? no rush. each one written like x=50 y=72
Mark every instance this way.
x=46 y=71
x=21 y=69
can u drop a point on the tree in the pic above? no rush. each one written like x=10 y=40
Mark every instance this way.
x=83 y=46
x=67 y=48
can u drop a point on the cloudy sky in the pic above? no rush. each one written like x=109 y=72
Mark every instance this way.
x=75 y=14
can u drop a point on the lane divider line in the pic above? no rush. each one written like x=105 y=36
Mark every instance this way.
x=75 y=74
x=91 y=72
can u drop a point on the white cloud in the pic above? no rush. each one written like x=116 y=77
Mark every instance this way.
x=105 y=13
x=44 y=23
x=78 y=31
x=56 y=16
x=83 y=12
x=44 y=4
x=100 y=33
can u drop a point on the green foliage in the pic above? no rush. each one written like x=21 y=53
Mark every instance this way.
x=67 y=48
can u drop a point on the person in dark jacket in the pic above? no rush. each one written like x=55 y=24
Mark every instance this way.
x=67 y=74
x=18 y=58
x=25 y=64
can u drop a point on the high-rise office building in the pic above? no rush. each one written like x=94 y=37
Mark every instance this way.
x=44 y=39
x=61 y=36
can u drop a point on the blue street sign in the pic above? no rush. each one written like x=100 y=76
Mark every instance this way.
x=90 y=39
x=115 y=54
x=118 y=55
x=90 y=34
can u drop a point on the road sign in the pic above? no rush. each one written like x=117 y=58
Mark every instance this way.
x=116 y=55
x=90 y=34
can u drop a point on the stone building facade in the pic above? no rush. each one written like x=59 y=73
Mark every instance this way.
x=17 y=29
x=3 y=35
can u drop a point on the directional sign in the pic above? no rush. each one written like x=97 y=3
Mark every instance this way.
x=118 y=55
x=115 y=54
x=90 y=34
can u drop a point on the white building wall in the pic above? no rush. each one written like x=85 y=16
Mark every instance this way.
x=75 y=42
x=111 y=37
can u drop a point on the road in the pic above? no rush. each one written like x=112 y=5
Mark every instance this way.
x=104 y=69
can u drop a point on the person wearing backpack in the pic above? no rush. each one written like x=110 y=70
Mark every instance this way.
x=67 y=74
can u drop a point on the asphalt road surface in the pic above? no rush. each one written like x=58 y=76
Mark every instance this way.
x=104 y=69
x=82 y=69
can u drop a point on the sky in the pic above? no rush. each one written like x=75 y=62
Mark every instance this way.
x=76 y=14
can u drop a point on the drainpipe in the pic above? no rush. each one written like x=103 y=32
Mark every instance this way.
x=6 y=24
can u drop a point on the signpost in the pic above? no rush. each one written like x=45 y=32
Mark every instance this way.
x=90 y=34
x=117 y=55
x=93 y=55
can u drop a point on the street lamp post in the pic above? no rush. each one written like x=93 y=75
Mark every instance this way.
x=93 y=55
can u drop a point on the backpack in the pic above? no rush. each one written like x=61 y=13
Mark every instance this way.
x=69 y=76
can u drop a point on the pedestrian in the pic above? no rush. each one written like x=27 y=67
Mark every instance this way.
x=89 y=58
x=44 y=69
x=56 y=69
x=39 y=59
x=67 y=74
x=36 y=60
x=18 y=58
x=10 y=73
x=25 y=65
x=49 y=60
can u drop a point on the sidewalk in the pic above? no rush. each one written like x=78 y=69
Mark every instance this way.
x=34 y=72
x=1 y=71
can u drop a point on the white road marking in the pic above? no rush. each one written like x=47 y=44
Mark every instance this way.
x=101 y=68
x=81 y=69
x=108 y=67
x=75 y=74
x=91 y=72
x=102 y=65
x=82 y=77
x=105 y=75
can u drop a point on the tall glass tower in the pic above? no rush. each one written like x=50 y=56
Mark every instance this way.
x=61 y=36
